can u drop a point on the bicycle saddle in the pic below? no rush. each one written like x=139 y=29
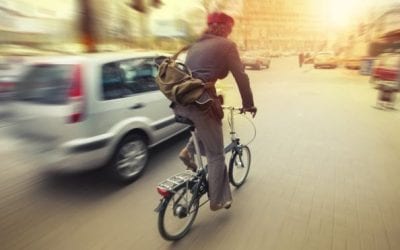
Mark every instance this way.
x=184 y=120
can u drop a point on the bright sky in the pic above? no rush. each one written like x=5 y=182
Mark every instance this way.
x=177 y=8
x=174 y=7
x=343 y=12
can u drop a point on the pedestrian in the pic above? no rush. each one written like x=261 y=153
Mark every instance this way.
x=211 y=58
x=301 y=59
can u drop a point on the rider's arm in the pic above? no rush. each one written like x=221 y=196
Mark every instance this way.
x=242 y=80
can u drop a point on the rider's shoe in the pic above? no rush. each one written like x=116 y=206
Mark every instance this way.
x=219 y=206
x=187 y=159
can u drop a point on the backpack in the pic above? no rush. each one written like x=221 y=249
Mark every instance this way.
x=176 y=82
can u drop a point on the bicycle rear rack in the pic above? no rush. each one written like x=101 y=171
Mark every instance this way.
x=177 y=180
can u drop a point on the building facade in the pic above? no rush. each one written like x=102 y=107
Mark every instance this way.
x=385 y=31
x=34 y=22
x=282 y=25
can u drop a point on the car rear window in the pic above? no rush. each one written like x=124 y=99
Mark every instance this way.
x=391 y=61
x=45 y=84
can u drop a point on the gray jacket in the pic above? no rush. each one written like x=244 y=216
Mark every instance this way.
x=212 y=57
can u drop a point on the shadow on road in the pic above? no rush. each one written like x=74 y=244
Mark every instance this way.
x=204 y=229
x=89 y=186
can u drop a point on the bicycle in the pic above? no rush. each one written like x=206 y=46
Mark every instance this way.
x=182 y=192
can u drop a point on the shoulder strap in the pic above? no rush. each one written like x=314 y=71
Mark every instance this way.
x=180 y=51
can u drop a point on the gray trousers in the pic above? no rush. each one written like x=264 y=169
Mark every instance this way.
x=210 y=137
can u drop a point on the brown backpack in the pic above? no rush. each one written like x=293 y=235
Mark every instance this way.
x=176 y=82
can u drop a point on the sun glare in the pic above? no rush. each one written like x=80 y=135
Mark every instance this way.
x=341 y=11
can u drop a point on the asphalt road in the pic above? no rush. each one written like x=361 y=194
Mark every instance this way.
x=325 y=175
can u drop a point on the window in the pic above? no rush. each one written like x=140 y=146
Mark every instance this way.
x=392 y=61
x=45 y=84
x=140 y=74
x=113 y=85
x=129 y=77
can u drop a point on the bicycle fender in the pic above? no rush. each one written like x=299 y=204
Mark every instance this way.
x=161 y=205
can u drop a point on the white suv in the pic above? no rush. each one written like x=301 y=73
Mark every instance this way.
x=94 y=110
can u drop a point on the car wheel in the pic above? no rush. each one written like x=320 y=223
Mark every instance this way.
x=257 y=66
x=130 y=158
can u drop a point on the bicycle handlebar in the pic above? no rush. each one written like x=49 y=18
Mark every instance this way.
x=253 y=110
x=232 y=108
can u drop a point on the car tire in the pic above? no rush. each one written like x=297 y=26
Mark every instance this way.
x=129 y=159
x=257 y=66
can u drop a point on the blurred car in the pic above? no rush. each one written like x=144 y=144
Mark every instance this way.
x=325 y=60
x=95 y=110
x=7 y=84
x=12 y=60
x=308 y=58
x=386 y=76
x=386 y=69
x=256 y=59
x=352 y=62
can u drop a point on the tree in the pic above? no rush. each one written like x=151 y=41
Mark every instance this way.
x=87 y=25
x=87 y=29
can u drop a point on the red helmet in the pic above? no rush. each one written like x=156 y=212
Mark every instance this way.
x=220 y=17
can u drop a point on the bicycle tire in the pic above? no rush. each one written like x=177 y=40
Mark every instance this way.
x=162 y=226
x=240 y=161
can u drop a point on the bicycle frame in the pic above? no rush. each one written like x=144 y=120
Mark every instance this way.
x=228 y=148
x=234 y=140
x=194 y=185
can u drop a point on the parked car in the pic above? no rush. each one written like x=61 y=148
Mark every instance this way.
x=7 y=84
x=94 y=110
x=386 y=68
x=256 y=59
x=10 y=67
x=352 y=62
x=325 y=60
x=385 y=76
x=6 y=94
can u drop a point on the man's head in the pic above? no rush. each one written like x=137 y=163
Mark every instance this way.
x=219 y=24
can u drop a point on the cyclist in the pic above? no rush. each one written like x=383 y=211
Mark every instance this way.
x=211 y=58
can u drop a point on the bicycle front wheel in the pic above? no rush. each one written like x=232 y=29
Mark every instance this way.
x=178 y=214
x=239 y=166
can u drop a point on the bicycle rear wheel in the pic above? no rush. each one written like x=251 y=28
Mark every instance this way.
x=177 y=215
x=239 y=165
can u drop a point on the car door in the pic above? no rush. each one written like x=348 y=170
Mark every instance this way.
x=148 y=101
x=130 y=97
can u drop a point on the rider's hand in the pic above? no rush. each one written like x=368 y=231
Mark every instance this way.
x=251 y=110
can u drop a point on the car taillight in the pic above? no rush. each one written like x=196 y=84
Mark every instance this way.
x=375 y=72
x=75 y=96
x=6 y=86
